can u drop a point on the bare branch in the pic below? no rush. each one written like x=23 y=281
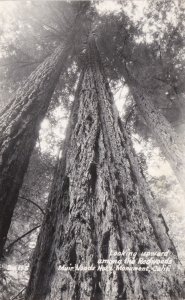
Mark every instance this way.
x=160 y=79
x=130 y=115
x=14 y=297
x=21 y=237
x=31 y=201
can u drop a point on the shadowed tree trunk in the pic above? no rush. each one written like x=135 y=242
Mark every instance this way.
x=99 y=204
x=19 y=127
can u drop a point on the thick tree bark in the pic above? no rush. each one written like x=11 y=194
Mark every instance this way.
x=19 y=127
x=99 y=203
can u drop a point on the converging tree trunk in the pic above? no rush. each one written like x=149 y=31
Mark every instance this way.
x=99 y=205
x=19 y=127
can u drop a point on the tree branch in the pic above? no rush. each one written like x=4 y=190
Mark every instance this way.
x=14 y=297
x=29 y=200
x=21 y=63
x=160 y=79
x=130 y=115
x=21 y=237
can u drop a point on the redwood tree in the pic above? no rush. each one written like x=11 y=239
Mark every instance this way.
x=99 y=203
x=20 y=120
x=143 y=71
x=19 y=127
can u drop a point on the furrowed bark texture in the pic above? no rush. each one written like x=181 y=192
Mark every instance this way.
x=99 y=203
x=19 y=126
x=44 y=257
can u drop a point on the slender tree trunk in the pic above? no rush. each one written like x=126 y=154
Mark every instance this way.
x=19 y=127
x=172 y=146
x=99 y=204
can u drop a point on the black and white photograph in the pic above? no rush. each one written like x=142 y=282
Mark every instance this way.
x=92 y=150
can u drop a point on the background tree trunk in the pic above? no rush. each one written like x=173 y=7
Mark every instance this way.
x=172 y=146
x=19 y=127
x=99 y=205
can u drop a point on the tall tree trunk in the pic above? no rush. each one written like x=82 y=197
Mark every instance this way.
x=19 y=127
x=99 y=204
x=172 y=146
